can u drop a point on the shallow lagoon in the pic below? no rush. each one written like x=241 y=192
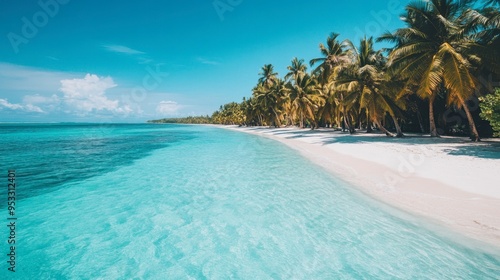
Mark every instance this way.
x=170 y=201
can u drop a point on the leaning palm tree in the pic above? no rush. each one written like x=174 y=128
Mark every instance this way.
x=377 y=105
x=334 y=57
x=394 y=101
x=429 y=54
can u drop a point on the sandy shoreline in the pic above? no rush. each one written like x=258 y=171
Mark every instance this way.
x=450 y=181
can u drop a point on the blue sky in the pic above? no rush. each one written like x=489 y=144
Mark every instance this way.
x=130 y=61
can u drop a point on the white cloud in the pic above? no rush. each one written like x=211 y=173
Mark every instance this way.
x=122 y=49
x=33 y=108
x=89 y=94
x=34 y=90
x=40 y=99
x=4 y=103
x=207 y=61
x=47 y=103
x=168 y=108
x=142 y=57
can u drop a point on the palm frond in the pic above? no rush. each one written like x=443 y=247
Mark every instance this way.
x=456 y=75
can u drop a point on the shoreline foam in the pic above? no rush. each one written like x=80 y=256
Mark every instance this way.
x=449 y=181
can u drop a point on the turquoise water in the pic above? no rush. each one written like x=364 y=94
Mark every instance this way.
x=194 y=202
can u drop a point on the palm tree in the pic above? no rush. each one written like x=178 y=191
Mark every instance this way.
x=267 y=101
x=252 y=111
x=295 y=69
x=268 y=77
x=484 y=26
x=245 y=109
x=270 y=100
x=282 y=100
x=329 y=110
x=365 y=70
x=429 y=54
x=303 y=94
x=334 y=57
x=394 y=101
x=363 y=82
x=230 y=113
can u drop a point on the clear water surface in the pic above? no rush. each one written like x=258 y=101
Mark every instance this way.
x=150 y=201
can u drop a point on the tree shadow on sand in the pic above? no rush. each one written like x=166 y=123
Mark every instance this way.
x=459 y=146
x=489 y=150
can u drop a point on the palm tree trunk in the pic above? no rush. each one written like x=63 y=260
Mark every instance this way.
x=348 y=123
x=301 y=120
x=399 y=132
x=345 y=120
x=277 y=122
x=381 y=127
x=358 y=119
x=368 y=124
x=352 y=130
x=432 y=123
x=338 y=118
x=474 y=135
x=419 y=116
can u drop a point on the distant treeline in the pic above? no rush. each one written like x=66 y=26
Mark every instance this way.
x=186 y=120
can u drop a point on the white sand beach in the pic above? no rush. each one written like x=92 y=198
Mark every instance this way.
x=449 y=180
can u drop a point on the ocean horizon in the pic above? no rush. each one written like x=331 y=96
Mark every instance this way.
x=117 y=200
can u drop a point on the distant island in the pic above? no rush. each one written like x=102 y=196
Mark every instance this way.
x=186 y=120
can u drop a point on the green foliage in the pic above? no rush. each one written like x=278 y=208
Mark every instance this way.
x=490 y=110
x=186 y=120
x=231 y=113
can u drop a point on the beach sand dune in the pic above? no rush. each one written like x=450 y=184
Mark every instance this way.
x=449 y=181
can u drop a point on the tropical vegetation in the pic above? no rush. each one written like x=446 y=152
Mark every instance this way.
x=440 y=66
x=490 y=110
x=186 y=120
